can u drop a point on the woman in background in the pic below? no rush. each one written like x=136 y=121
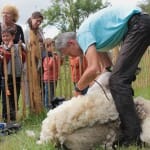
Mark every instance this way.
x=10 y=16
x=33 y=37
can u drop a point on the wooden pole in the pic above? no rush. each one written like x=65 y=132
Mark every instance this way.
x=29 y=77
x=7 y=92
x=22 y=82
x=14 y=79
x=35 y=72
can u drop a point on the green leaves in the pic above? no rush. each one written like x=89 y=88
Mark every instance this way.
x=67 y=15
x=145 y=6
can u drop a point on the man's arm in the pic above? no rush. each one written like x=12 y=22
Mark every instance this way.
x=93 y=69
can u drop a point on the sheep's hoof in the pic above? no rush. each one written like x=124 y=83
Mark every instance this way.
x=61 y=147
x=126 y=142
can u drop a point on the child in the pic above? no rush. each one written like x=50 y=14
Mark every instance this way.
x=2 y=55
x=8 y=35
x=78 y=66
x=50 y=75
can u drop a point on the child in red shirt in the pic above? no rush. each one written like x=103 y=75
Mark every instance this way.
x=78 y=66
x=50 y=72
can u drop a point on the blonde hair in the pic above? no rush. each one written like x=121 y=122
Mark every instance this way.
x=13 y=10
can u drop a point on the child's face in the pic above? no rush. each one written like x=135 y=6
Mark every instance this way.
x=7 y=37
x=50 y=47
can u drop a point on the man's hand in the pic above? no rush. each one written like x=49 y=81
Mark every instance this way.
x=77 y=91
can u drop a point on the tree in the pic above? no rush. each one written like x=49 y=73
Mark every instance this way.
x=146 y=6
x=67 y=15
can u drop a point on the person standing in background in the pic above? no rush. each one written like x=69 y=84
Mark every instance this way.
x=8 y=36
x=78 y=65
x=51 y=68
x=10 y=16
x=0 y=75
x=33 y=36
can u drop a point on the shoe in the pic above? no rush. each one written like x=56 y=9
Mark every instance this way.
x=10 y=128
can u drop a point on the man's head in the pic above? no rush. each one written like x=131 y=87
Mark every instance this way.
x=66 y=44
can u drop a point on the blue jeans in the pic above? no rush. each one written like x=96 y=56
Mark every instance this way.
x=49 y=92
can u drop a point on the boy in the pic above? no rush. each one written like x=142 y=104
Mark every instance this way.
x=8 y=35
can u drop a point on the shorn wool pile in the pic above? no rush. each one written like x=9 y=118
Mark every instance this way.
x=86 y=121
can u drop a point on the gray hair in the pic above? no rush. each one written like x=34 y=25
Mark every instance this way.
x=63 y=38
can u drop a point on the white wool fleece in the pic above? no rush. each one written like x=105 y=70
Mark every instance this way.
x=87 y=110
x=81 y=111
x=145 y=123
x=102 y=80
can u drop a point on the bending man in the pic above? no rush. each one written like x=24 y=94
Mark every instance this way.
x=100 y=32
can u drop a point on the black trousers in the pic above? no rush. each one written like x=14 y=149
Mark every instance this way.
x=135 y=43
x=11 y=97
x=0 y=85
x=0 y=77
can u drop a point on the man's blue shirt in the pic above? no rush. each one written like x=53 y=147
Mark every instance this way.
x=105 y=28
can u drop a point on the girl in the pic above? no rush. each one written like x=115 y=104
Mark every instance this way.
x=51 y=70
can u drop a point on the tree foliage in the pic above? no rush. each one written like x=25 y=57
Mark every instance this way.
x=67 y=15
x=146 y=6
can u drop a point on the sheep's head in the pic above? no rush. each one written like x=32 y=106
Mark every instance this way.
x=104 y=79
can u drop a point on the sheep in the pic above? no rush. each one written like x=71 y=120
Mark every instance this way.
x=143 y=110
x=102 y=81
x=84 y=117
x=85 y=121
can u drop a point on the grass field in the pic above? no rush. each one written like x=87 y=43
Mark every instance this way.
x=20 y=140
x=145 y=92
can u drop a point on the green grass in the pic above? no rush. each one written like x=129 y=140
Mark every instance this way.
x=20 y=140
x=144 y=92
